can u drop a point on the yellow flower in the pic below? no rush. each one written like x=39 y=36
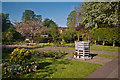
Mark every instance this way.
x=48 y=43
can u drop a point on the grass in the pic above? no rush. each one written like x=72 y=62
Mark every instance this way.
x=75 y=69
x=108 y=56
x=58 y=68
x=103 y=48
x=93 y=47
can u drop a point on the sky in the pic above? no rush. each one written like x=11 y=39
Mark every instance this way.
x=57 y=11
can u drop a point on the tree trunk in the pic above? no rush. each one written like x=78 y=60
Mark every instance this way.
x=32 y=39
x=88 y=38
x=103 y=43
x=78 y=37
x=95 y=42
x=82 y=36
x=113 y=44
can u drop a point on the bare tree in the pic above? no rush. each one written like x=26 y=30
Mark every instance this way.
x=31 y=28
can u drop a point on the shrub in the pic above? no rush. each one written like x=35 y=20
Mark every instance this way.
x=20 y=56
x=58 y=55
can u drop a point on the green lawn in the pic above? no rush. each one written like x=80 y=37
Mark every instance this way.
x=55 y=68
x=103 y=48
x=59 y=68
x=108 y=56
x=93 y=47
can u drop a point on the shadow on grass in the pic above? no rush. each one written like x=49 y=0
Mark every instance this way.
x=44 y=64
x=93 y=55
x=46 y=69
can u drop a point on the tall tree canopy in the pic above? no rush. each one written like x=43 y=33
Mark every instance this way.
x=30 y=15
x=54 y=31
x=72 y=19
x=5 y=21
x=48 y=23
x=99 y=14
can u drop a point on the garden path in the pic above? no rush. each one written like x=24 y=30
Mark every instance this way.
x=109 y=70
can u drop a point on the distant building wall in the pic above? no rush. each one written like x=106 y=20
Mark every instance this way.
x=44 y=36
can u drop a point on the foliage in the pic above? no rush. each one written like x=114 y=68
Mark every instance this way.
x=29 y=15
x=47 y=33
x=99 y=14
x=20 y=56
x=71 y=20
x=5 y=21
x=48 y=23
x=69 y=35
x=106 y=34
x=54 y=32
x=11 y=35
x=42 y=39
x=52 y=54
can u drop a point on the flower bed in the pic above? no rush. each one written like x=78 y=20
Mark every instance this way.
x=11 y=69
x=19 y=63
x=51 y=54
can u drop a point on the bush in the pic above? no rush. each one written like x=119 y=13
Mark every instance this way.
x=51 y=54
x=42 y=39
x=20 y=56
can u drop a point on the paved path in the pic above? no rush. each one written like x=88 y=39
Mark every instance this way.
x=109 y=70
x=72 y=50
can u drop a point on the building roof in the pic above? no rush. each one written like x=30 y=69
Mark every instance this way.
x=62 y=28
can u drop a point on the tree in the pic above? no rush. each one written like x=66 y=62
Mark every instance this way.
x=48 y=23
x=106 y=34
x=71 y=20
x=69 y=35
x=11 y=35
x=99 y=14
x=113 y=35
x=5 y=22
x=31 y=28
x=29 y=15
x=54 y=31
